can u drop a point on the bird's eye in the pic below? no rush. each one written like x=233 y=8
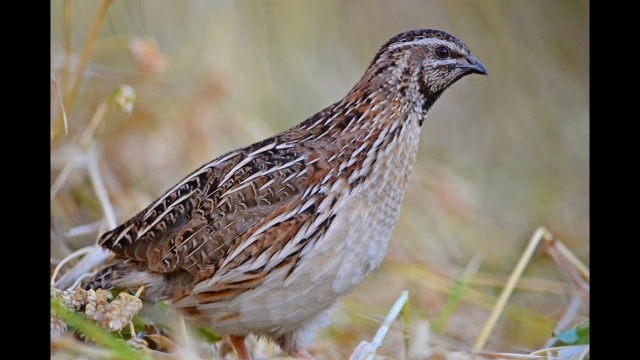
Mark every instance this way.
x=442 y=52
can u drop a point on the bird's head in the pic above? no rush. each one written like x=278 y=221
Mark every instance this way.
x=421 y=63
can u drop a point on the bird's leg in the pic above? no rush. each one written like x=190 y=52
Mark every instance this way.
x=241 y=349
x=300 y=353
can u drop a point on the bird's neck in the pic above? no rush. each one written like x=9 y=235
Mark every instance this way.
x=402 y=88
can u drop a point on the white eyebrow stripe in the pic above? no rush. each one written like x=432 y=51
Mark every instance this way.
x=424 y=41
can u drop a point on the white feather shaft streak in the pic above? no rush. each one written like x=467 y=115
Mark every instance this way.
x=161 y=216
x=242 y=163
x=258 y=174
x=203 y=169
x=264 y=148
x=257 y=235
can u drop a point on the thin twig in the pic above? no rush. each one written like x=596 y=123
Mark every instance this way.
x=577 y=273
x=61 y=103
x=64 y=173
x=582 y=268
x=101 y=191
x=578 y=284
x=367 y=350
x=96 y=119
x=79 y=280
x=83 y=229
x=566 y=318
x=391 y=316
x=139 y=292
x=73 y=255
x=97 y=255
x=85 y=140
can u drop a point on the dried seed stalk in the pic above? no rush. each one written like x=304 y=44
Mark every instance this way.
x=120 y=311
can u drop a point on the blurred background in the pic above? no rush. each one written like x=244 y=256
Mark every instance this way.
x=499 y=155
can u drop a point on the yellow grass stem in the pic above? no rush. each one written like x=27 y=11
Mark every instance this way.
x=528 y=284
x=582 y=268
x=96 y=119
x=66 y=41
x=406 y=329
x=540 y=233
x=85 y=140
x=61 y=104
x=85 y=55
x=87 y=51
x=475 y=297
x=183 y=331
x=139 y=292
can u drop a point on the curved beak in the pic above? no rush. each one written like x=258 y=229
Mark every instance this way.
x=473 y=66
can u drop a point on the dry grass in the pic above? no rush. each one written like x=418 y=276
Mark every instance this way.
x=500 y=156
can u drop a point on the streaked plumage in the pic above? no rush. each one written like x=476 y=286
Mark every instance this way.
x=266 y=238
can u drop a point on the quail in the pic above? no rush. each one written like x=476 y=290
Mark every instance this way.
x=265 y=239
